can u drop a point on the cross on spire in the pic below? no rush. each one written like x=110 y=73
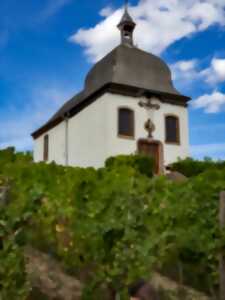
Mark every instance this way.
x=126 y=27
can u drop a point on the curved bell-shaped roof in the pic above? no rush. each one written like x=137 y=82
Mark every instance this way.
x=132 y=67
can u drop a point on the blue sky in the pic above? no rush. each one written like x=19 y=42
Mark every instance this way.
x=47 y=47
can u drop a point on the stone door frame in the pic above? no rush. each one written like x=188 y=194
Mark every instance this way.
x=160 y=153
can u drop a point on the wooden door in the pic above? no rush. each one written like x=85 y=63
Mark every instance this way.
x=152 y=149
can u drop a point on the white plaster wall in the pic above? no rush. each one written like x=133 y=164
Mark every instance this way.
x=119 y=145
x=89 y=135
x=38 y=149
x=92 y=133
x=56 y=145
x=171 y=151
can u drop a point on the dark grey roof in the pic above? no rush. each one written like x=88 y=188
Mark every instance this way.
x=134 y=67
x=125 y=66
x=65 y=109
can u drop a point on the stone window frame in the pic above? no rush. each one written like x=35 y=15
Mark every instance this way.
x=178 y=141
x=130 y=135
x=46 y=148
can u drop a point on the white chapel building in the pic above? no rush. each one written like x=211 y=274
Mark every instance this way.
x=128 y=105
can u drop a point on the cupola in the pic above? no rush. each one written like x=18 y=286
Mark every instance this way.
x=126 y=27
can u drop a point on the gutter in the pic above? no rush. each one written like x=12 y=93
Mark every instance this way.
x=66 y=119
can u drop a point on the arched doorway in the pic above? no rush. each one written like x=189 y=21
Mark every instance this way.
x=152 y=148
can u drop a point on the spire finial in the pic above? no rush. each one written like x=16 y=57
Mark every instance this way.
x=126 y=27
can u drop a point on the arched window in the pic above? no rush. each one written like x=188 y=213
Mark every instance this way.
x=46 y=147
x=126 y=122
x=172 y=129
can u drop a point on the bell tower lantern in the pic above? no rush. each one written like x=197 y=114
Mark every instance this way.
x=126 y=27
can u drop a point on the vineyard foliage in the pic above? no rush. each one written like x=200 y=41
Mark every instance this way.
x=191 y=167
x=114 y=225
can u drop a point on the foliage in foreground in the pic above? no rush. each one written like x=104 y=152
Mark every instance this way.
x=143 y=164
x=113 y=224
x=191 y=167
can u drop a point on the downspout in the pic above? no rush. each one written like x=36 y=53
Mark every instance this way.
x=66 y=119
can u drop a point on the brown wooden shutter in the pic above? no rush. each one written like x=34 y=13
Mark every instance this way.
x=172 y=129
x=126 y=122
x=46 y=147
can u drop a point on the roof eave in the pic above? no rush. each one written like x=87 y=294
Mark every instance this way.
x=114 y=88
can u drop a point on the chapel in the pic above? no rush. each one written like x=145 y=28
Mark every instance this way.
x=128 y=105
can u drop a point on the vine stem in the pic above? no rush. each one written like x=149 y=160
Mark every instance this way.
x=117 y=296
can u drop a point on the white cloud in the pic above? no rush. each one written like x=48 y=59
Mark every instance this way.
x=187 y=65
x=216 y=72
x=100 y=39
x=52 y=8
x=211 y=103
x=159 y=24
x=185 y=70
x=206 y=13
x=18 y=124
x=106 y=11
x=188 y=73
x=211 y=150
